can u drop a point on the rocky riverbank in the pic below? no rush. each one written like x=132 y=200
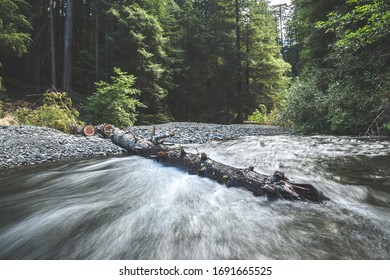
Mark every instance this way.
x=199 y=133
x=26 y=145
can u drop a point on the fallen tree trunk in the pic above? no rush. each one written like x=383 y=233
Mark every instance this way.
x=85 y=130
x=90 y=130
x=104 y=129
x=275 y=186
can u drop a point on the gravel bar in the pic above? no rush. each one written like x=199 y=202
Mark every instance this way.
x=200 y=133
x=28 y=145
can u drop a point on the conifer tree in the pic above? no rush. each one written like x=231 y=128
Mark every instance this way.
x=265 y=68
x=140 y=48
x=68 y=41
x=14 y=29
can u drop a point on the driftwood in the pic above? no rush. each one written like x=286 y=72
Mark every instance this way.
x=275 y=186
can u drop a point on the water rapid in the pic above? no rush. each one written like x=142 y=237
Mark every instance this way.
x=134 y=208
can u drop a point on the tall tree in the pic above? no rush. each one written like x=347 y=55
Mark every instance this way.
x=265 y=68
x=200 y=60
x=237 y=12
x=52 y=46
x=229 y=48
x=139 y=47
x=67 y=72
x=314 y=43
x=207 y=84
x=14 y=30
x=188 y=38
x=97 y=28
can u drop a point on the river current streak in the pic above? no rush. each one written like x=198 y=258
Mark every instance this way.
x=134 y=208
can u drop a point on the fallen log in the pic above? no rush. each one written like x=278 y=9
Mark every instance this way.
x=104 y=129
x=85 y=130
x=88 y=130
x=275 y=186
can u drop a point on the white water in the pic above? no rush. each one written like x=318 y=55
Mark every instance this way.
x=133 y=208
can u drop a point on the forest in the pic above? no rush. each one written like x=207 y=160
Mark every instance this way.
x=323 y=69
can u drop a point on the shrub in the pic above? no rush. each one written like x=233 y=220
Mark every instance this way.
x=351 y=106
x=343 y=106
x=56 y=111
x=112 y=102
x=260 y=115
x=304 y=109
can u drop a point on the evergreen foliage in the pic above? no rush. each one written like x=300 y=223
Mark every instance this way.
x=218 y=81
x=14 y=28
x=208 y=61
x=364 y=23
x=266 y=69
x=113 y=102
x=344 y=80
x=139 y=37
x=211 y=61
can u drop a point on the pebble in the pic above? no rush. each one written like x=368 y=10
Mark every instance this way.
x=200 y=133
x=28 y=145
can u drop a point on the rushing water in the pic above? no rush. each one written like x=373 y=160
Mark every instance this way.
x=133 y=208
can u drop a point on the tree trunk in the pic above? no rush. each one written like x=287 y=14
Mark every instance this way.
x=67 y=79
x=247 y=72
x=274 y=186
x=52 y=47
x=239 y=111
x=96 y=42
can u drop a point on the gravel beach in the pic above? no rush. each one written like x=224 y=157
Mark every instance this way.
x=27 y=145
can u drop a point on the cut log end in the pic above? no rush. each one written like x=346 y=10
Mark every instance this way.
x=105 y=129
x=88 y=130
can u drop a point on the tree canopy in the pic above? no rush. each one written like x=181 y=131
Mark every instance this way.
x=215 y=61
x=14 y=30
x=361 y=24
x=203 y=60
x=344 y=67
x=14 y=27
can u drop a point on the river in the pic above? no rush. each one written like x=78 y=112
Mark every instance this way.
x=134 y=208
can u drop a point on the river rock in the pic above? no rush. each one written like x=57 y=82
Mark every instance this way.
x=26 y=145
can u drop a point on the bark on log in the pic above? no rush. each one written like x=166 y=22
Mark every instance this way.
x=275 y=186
